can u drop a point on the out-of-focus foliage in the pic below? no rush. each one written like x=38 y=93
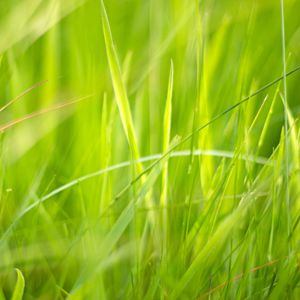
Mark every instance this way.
x=112 y=186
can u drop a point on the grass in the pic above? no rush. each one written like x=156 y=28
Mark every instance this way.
x=149 y=149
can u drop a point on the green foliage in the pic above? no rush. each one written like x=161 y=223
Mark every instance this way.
x=125 y=176
x=19 y=288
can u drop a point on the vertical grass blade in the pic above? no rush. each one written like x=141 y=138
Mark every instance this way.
x=119 y=86
x=19 y=288
x=287 y=196
x=166 y=142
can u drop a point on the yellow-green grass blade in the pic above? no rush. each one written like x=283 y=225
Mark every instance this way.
x=286 y=125
x=119 y=87
x=166 y=142
x=123 y=105
x=19 y=287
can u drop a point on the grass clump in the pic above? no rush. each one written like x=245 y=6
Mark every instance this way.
x=149 y=149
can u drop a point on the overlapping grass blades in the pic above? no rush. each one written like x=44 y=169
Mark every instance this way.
x=96 y=202
x=119 y=87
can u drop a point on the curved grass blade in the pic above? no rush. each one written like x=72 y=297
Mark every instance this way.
x=19 y=288
x=119 y=87
x=183 y=153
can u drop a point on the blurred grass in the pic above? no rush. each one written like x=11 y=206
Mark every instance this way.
x=206 y=204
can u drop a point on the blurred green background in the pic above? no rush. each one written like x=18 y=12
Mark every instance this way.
x=222 y=51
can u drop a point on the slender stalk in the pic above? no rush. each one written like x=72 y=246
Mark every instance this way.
x=287 y=196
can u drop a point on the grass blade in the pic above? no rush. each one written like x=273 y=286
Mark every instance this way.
x=286 y=128
x=166 y=142
x=119 y=87
x=42 y=112
x=22 y=94
x=19 y=288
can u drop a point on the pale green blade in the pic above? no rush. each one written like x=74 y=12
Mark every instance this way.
x=19 y=287
x=119 y=87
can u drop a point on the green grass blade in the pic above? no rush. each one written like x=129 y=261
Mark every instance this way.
x=119 y=87
x=19 y=287
x=166 y=142
x=287 y=196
